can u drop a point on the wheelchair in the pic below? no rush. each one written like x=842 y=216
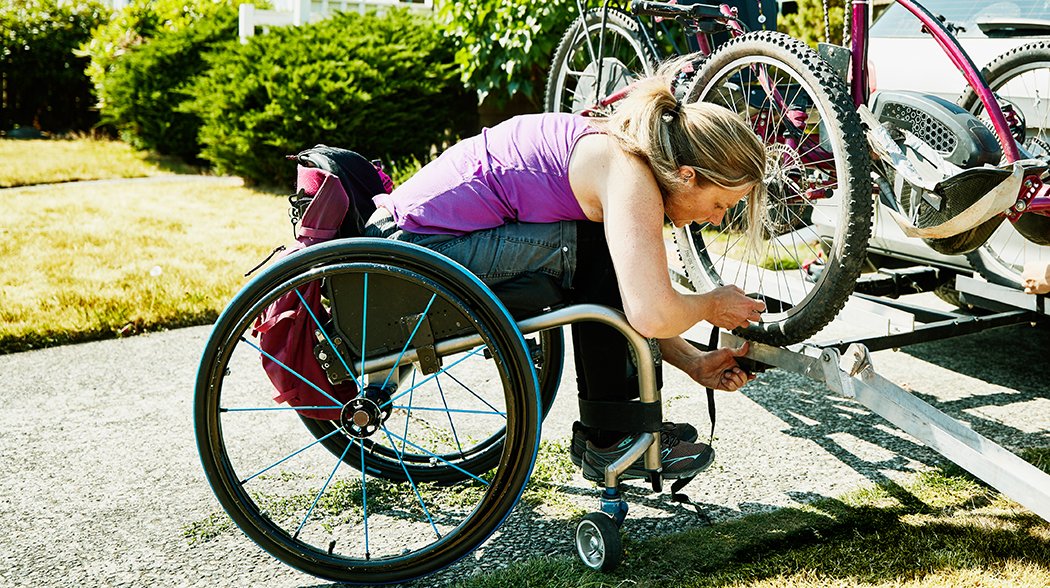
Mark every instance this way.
x=432 y=454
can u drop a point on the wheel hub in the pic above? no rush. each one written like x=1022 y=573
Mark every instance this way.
x=364 y=415
x=787 y=186
x=615 y=76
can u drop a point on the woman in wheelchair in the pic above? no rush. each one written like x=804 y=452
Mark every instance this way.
x=556 y=209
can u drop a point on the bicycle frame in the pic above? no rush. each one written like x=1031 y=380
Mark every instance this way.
x=1034 y=196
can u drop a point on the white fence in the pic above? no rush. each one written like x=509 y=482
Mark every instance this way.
x=298 y=12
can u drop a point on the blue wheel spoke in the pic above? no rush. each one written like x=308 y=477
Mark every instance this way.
x=364 y=325
x=289 y=456
x=450 y=410
x=324 y=333
x=364 y=498
x=290 y=370
x=432 y=376
x=322 y=490
x=449 y=415
x=410 y=337
x=408 y=417
x=411 y=481
x=435 y=456
x=297 y=408
x=475 y=395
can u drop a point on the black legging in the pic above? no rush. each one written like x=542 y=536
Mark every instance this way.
x=604 y=368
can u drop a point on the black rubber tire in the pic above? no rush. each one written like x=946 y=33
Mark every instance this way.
x=598 y=542
x=271 y=519
x=991 y=260
x=626 y=52
x=483 y=456
x=849 y=211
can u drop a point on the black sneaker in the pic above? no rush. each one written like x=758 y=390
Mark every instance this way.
x=683 y=431
x=680 y=459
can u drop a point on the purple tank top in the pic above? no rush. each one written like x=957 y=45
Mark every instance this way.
x=516 y=171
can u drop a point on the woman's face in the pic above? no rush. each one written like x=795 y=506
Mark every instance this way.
x=700 y=201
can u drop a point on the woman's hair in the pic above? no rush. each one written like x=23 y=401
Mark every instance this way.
x=716 y=142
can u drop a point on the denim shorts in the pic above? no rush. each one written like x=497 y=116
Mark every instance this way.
x=500 y=254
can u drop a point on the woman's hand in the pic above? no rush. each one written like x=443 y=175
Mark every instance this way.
x=730 y=308
x=1036 y=278
x=716 y=369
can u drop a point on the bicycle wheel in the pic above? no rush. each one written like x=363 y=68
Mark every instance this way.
x=817 y=173
x=1021 y=77
x=548 y=354
x=578 y=80
x=291 y=495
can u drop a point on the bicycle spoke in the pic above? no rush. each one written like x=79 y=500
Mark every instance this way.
x=408 y=341
x=435 y=456
x=455 y=435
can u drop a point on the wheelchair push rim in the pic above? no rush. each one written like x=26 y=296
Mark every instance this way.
x=300 y=502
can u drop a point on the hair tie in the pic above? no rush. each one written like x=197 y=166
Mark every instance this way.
x=673 y=112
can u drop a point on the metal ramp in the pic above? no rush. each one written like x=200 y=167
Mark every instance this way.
x=840 y=358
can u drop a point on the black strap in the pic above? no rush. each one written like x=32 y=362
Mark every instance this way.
x=676 y=487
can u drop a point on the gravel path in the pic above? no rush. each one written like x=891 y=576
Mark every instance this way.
x=100 y=474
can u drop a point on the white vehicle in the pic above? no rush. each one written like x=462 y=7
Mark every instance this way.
x=1003 y=38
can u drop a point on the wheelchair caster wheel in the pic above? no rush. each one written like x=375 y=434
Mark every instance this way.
x=598 y=542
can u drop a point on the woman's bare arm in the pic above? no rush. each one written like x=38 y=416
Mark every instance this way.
x=633 y=215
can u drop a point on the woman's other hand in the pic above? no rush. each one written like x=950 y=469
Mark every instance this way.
x=730 y=308
x=1036 y=278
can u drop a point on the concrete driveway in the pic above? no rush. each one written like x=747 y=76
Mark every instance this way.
x=100 y=476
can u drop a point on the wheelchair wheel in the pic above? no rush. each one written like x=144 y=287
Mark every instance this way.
x=818 y=188
x=548 y=353
x=300 y=503
x=598 y=542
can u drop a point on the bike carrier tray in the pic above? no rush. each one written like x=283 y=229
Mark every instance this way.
x=840 y=358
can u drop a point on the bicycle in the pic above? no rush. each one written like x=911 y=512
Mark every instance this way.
x=820 y=209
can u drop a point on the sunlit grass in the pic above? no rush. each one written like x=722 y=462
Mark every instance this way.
x=937 y=530
x=767 y=255
x=43 y=161
x=86 y=262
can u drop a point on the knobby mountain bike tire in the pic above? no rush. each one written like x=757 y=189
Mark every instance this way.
x=817 y=171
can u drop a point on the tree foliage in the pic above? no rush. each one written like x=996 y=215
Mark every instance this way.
x=43 y=81
x=504 y=47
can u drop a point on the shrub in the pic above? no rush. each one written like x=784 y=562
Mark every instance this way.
x=506 y=46
x=137 y=22
x=141 y=88
x=43 y=82
x=383 y=85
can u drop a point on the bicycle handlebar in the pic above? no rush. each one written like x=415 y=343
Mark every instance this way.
x=671 y=10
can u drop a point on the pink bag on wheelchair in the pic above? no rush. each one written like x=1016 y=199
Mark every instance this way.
x=321 y=210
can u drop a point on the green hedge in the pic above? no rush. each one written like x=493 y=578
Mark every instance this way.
x=43 y=82
x=141 y=88
x=385 y=86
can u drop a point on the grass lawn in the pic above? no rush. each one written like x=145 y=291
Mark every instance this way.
x=940 y=529
x=42 y=161
x=89 y=261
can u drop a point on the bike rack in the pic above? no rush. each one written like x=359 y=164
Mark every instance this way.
x=845 y=366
